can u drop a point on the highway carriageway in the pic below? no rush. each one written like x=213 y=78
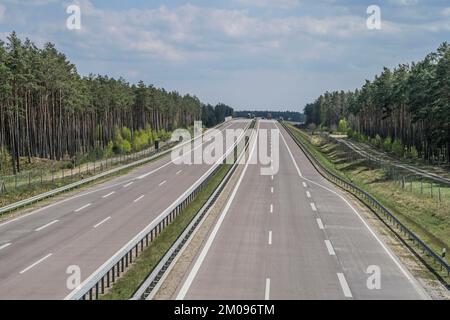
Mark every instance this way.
x=88 y=228
x=293 y=235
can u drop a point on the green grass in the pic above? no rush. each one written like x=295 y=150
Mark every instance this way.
x=150 y=257
x=421 y=213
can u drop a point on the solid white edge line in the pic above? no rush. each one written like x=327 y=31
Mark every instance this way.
x=320 y=224
x=5 y=246
x=74 y=197
x=35 y=264
x=267 y=292
x=416 y=286
x=344 y=285
x=47 y=225
x=138 y=198
x=330 y=248
x=193 y=273
x=83 y=207
x=101 y=222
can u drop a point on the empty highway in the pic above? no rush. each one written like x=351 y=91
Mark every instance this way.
x=87 y=228
x=293 y=236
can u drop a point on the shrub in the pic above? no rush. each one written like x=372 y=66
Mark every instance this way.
x=343 y=126
x=387 y=144
x=397 y=148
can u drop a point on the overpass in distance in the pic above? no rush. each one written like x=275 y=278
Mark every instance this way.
x=293 y=235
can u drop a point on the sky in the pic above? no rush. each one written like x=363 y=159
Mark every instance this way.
x=249 y=54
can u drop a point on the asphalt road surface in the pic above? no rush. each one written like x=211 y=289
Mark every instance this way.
x=88 y=228
x=293 y=235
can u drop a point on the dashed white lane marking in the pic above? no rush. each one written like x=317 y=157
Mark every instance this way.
x=313 y=206
x=417 y=287
x=101 y=222
x=330 y=248
x=305 y=185
x=270 y=237
x=344 y=285
x=108 y=195
x=128 y=184
x=163 y=182
x=320 y=223
x=179 y=171
x=83 y=207
x=271 y=190
x=272 y=177
x=271 y=208
x=308 y=194
x=267 y=293
x=47 y=225
x=35 y=264
x=138 y=199
x=5 y=246
x=193 y=273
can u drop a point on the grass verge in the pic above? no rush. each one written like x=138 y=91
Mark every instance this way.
x=125 y=287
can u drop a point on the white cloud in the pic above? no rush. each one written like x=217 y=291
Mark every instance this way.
x=284 y=4
x=2 y=12
x=446 y=12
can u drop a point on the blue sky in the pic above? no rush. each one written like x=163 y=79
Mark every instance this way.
x=250 y=54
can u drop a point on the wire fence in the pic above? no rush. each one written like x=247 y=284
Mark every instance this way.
x=59 y=176
x=436 y=262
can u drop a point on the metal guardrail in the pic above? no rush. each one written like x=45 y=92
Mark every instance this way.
x=373 y=203
x=107 y=274
x=51 y=193
x=149 y=284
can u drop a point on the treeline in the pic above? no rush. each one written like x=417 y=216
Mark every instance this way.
x=212 y=116
x=48 y=110
x=286 y=115
x=408 y=106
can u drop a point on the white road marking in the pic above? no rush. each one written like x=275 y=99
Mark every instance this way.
x=305 y=185
x=102 y=222
x=108 y=195
x=272 y=177
x=320 y=223
x=271 y=208
x=47 y=225
x=179 y=171
x=344 y=285
x=308 y=194
x=5 y=246
x=128 y=184
x=417 y=287
x=173 y=160
x=138 y=199
x=313 y=207
x=271 y=190
x=191 y=276
x=163 y=182
x=270 y=237
x=35 y=264
x=330 y=248
x=267 y=293
x=83 y=207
